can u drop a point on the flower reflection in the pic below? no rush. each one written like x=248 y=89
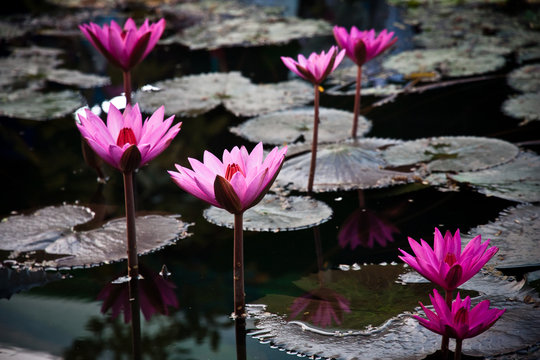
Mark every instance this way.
x=321 y=307
x=366 y=228
x=156 y=294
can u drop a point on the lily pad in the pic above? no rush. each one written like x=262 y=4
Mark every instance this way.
x=525 y=78
x=525 y=106
x=515 y=233
x=276 y=213
x=196 y=94
x=10 y=30
x=528 y=54
x=452 y=154
x=449 y=62
x=32 y=105
x=296 y=126
x=517 y=180
x=344 y=166
x=47 y=237
x=401 y=337
x=77 y=78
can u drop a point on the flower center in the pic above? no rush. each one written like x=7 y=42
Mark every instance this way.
x=462 y=316
x=450 y=259
x=126 y=136
x=231 y=170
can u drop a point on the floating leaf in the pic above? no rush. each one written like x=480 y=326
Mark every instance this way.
x=344 y=166
x=517 y=180
x=275 y=213
x=452 y=153
x=49 y=233
x=296 y=126
x=525 y=78
x=77 y=78
x=32 y=105
x=528 y=54
x=10 y=30
x=515 y=233
x=525 y=106
x=451 y=62
x=196 y=94
x=343 y=82
x=401 y=337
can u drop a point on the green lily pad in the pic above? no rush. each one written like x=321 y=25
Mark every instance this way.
x=515 y=233
x=525 y=106
x=77 y=78
x=452 y=153
x=344 y=166
x=401 y=337
x=32 y=105
x=525 y=78
x=47 y=237
x=196 y=94
x=528 y=54
x=296 y=126
x=517 y=180
x=449 y=62
x=276 y=213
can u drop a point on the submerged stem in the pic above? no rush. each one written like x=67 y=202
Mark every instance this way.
x=240 y=332
x=133 y=266
x=314 y=141
x=127 y=86
x=238 y=267
x=357 y=102
x=457 y=355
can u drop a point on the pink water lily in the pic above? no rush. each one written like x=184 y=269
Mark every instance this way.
x=124 y=47
x=317 y=66
x=458 y=321
x=362 y=46
x=236 y=182
x=446 y=265
x=125 y=130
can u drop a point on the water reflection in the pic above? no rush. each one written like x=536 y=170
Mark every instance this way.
x=365 y=228
x=14 y=280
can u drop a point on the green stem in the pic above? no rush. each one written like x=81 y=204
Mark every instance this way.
x=133 y=266
x=127 y=86
x=314 y=141
x=457 y=355
x=446 y=340
x=238 y=267
x=357 y=102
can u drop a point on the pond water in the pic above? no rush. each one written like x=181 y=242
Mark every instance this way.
x=57 y=314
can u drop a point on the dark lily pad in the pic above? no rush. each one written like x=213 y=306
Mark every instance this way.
x=77 y=78
x=343 y=82
x=344 y=166
x=196 y=94
x=525 y=78
x=47 y=237
x=517 y=180
x=515 y=233
x=275 y=213
x=528 y=54
x=32 y=105
x=10 y=30
x=525 y=106
x=401 y=337
x=452 y=154
x=449 y=62
x=296 y=126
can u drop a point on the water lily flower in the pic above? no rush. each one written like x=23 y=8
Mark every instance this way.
x=321 y=307
x=124 y=47
x=446 y=265
x=362 y=46
x=125 y=132
x=315 y=69
x=317 y=66
x=236 y=182
x=458 y=321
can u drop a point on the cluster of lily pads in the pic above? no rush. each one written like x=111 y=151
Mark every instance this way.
x=279 y=113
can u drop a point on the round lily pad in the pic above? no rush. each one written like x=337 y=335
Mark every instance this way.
x=452 y=153
x=401 y=337
x=525 y=78
x=525 y=106
x=344 y=166
x=10 y=30
x=32 y=105
x=77 y=78
x=276 y=213
x=517 y=180
x=450 y=62
x=515 y=233
x=47 y=237
x=296 y=126
x=196 y=94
